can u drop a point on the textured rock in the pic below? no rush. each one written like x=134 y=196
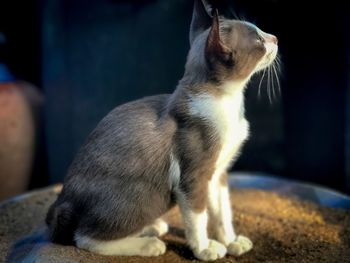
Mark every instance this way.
x=283 y=229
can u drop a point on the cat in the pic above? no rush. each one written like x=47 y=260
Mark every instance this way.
x=147 y=155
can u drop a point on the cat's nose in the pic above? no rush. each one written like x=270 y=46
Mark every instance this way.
x=273 y=39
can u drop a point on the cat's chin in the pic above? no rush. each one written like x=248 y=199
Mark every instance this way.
x=264 y=65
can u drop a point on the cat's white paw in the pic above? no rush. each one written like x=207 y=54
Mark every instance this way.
x=159 y=228
x=214 y=251
x=154 y=247
x=240 y=246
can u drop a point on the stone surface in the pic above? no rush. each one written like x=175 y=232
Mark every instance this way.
x=283 y=229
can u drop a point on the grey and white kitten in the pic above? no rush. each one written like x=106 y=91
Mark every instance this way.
x=147 y=155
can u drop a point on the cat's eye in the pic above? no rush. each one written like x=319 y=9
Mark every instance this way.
x=260 y=40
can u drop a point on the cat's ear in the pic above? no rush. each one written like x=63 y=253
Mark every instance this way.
x=215 y=48
x=201 y=20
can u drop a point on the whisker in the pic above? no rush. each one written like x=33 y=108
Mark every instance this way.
x=279 y=71
x=278 y=64
x=269 y=85
x=277 y=79
x=273 y=83
x=261 y=80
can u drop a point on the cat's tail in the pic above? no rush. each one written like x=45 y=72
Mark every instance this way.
x=62 y=223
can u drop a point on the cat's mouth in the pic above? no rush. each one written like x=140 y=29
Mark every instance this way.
x=271 y=56
x=271 y=49
x=267 y=59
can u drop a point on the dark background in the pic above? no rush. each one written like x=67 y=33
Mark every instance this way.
x=89 y=56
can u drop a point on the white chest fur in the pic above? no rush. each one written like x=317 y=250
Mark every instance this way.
x=226 y=114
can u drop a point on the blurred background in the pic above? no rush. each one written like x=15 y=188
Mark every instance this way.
x=65 y=64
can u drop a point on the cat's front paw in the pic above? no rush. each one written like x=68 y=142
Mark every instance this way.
x=215 y=250
x=240 y=246
x=153 y=247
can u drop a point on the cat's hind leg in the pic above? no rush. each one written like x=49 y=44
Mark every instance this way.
x=157 y=229
x=128 y=246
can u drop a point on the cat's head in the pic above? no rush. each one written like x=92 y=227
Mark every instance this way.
x=228 y=49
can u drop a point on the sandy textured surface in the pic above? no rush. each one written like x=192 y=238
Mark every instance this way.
x=283 y=230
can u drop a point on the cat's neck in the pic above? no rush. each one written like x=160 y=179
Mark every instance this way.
x=229 y=89
x=230 y=94
x=227 y=98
